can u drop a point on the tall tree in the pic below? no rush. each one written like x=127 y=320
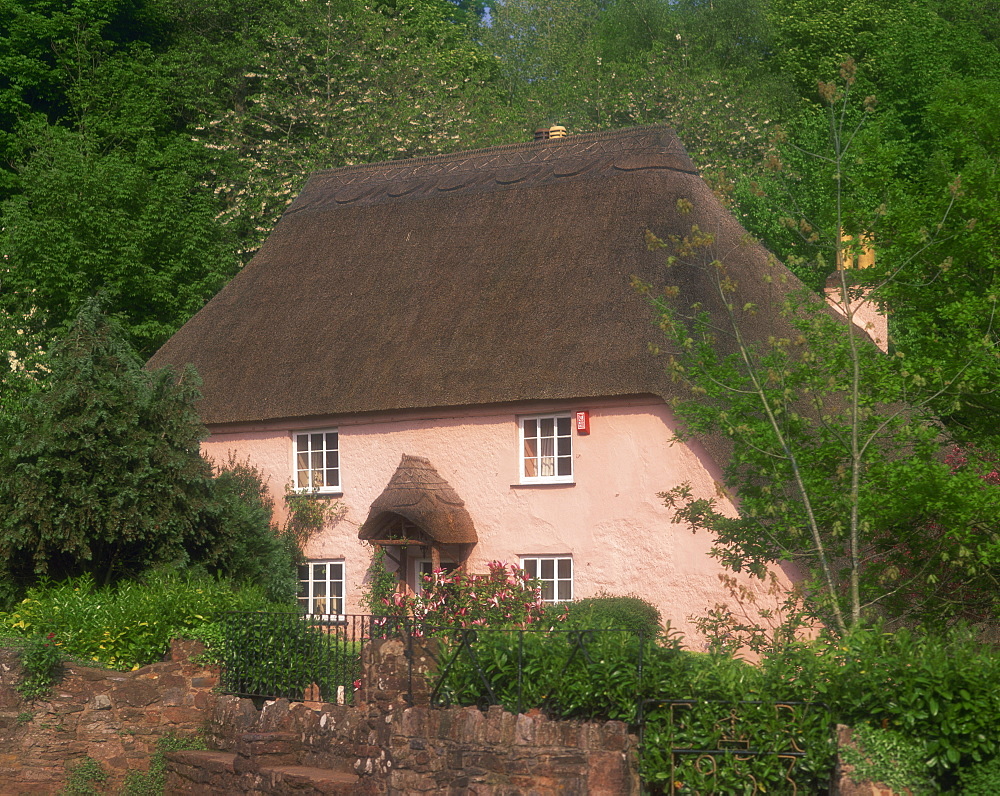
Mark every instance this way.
x=343 y=83
x=838 y=459
x=101 y=472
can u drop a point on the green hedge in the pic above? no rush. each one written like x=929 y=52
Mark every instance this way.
x=128 y=625
x=936 y=697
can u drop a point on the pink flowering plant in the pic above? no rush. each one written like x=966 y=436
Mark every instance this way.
x=506 y=596
x=503 y=597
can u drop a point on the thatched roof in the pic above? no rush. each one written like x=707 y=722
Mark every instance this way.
x=489 y=276
x=417 y=493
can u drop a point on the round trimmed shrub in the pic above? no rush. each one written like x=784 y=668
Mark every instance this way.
x=626 y=612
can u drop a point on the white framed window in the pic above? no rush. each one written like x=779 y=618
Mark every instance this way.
x=546 y=449
x=317 y=460
x=555 y=573
x=321 y=588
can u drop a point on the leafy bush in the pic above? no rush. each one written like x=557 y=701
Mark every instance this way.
x=891 y=758
x=101 y=472
x=568 y=673
x=41 y=663
x=243 y=542
x=596 y=674
x=941 y=689
x=128 y=625
x=282 y=654
x=610 y=611
x=982 y=779
x=503 y=597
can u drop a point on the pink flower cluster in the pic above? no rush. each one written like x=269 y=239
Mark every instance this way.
x=504 y=597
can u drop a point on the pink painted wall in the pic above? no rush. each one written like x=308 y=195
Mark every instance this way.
x=610 y=520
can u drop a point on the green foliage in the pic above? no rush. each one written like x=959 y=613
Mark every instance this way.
x=837 y=454
x=325 y=89
x=41 y=665
x=83 y=776
x=981 y=779
x=140 y=227
x=380 y=587
x=888 y=757
x=101 y=473
x=242 y=542
x=937 y=689
x=627 y=612
x=281 y=655
x=935 y=695
x=128 y=625
x=596 y=674
x=308 y=514
x=153 y=781
x=568 y=673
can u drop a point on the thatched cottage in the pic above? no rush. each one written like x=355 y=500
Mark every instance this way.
x=452 y=348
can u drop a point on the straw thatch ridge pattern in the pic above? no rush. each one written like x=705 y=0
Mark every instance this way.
x=417 y=493
x=484 y=277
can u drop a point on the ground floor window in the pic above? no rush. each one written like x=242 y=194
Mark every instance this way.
x=555 y=574
x=321 y=587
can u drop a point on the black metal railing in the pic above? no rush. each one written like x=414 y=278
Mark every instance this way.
x=747 y=746
x=272 y=655
x=551 y=668
x=685 y=745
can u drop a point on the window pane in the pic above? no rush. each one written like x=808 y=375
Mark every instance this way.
x=565 y=446
x=548 y=568
x=302 y=460
x=331 y=441
x=531 y=567
x=530 y=458
x=302 y=442
x=332 y=478
x=565 y=590
x=319 y=571
x=565 y=465
x=547 y=425
x=316 y=441
x=530 y=428
x=565 y=568
x=547 y=591
x=563 y=424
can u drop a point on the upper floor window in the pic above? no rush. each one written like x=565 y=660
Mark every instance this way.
x=317 y=461
x=546 y=449
x=321 y=588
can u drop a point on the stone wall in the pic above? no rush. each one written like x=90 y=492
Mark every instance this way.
x=393 y=741
x=410 y=750
x=112 y=717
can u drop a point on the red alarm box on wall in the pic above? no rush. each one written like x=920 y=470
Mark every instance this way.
x=583 y=422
